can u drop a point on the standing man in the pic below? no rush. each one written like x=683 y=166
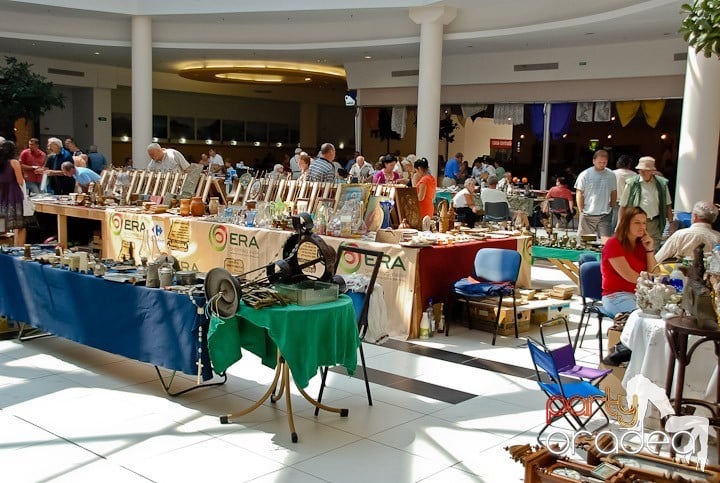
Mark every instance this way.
x=166 y=159
x=59 y=184
x=79 y=157
x=96 y=161
x=452 y=168
x=596 y=193
x=294 y=165
x=650 y=192
x=30 y=159
x=622 y=174
x=322 y=167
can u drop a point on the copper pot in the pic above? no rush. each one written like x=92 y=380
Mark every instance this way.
x=197 y=207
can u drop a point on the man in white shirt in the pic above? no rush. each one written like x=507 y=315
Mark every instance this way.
x=682 y=243
x=595 y=196
x=217 y=163
x=361 y=171
x=166 y=159
x=491 y=193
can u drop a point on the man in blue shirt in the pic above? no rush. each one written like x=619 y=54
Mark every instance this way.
x=83 y=176
x=96 y=161
x=451 y=170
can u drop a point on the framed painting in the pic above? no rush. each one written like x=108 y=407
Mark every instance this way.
x=326 y=206
x=302 y=205
x=374 y=214
x=352 y=191
x=408 y=207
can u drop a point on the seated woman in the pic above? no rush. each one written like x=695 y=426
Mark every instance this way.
x=626 y=254
x=464 y=202
x=387 y=174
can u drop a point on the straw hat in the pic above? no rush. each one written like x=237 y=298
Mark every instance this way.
x=646 y=162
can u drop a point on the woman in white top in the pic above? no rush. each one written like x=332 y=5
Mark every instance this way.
x=464 y=202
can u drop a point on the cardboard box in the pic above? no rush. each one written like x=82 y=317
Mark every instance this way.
x=482 y=317
x=543 y=314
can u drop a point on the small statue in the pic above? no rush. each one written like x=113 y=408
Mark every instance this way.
x=697 y=297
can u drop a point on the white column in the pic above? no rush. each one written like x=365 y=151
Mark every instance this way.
x=102 y=112
x=141 y=89
x=431 y=19
x=699 y=128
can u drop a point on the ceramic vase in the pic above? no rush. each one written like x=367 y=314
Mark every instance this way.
x=185 y=207
x=197 y=207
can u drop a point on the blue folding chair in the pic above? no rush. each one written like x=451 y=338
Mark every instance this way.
x=562 y=394
x=499 y=269
x=591 y=293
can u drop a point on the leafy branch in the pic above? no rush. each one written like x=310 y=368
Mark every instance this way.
x=701 y=27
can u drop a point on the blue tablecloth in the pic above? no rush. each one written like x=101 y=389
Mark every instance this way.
x=148 y=325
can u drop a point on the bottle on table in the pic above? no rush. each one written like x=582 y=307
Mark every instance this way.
x=431 y=318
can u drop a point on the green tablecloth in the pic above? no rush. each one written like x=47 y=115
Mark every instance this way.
x=560 y=253
x=308 y=337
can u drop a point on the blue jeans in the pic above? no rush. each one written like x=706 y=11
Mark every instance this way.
x=33 y=187
x=618 y=302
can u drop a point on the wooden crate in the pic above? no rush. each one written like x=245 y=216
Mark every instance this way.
x=482 y=317
x=540 y=315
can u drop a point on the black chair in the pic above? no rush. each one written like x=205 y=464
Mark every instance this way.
x=362 y=305
x=499 y=269
x=560 y=210
x=564 y=397
x=497 y=211
x=591 y=294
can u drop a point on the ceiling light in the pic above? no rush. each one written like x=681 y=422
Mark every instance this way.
x=208 y=141
x=256 y=143
x=97 y=53
x=368 y=56
x=262 y=72
x=609 y=136
x=612 y=118
x=509 y=118
x=278 y=145
x=233 y=143
x=564 y=135
x=341 y=145
x=155 y=140
x=182 y=140
x=522 y=136
x=124 y=138
x=663 y=136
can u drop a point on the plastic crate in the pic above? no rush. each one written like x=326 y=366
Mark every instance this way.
x=308 y=292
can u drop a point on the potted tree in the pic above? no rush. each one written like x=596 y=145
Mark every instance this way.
x=24 y=97
x=701 y=27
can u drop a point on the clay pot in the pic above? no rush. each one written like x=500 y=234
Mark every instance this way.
x=213 y=206
x=197 y=207
x=185 y=207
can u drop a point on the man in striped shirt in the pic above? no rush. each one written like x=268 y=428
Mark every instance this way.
x=322 y=168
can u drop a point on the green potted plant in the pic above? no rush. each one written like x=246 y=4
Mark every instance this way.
x=24 y=95
x=701 y=27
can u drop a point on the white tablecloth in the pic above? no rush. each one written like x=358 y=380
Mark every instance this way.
x=645 y=336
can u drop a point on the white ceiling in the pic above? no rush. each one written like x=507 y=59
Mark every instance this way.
x=193 y=30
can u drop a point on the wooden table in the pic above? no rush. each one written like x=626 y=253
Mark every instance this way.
x=62 y=211
x=563 y=258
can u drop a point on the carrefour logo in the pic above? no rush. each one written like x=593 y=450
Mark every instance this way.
x=218 y=237
x=116 y=223
x=157 y=230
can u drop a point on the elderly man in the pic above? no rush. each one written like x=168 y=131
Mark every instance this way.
x=166 y=159
x=361 y=171
x=650 y=192
x=322 y=167
x=595 y=195
x=682 y=243
x=83 y=176
x=57 y=155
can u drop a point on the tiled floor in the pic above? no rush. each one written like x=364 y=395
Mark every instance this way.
x=76 y=414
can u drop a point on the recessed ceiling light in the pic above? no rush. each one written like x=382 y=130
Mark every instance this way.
x=97 y=53
x=308 y=79
x=589 y=33
x=368 y=56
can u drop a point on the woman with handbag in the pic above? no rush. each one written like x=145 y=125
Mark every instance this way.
x=11 y=192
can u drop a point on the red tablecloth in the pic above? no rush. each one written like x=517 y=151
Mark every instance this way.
x=441 y=266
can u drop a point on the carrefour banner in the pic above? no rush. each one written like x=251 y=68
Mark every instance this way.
x=398 y=269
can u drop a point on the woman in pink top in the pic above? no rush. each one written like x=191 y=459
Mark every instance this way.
x=387 y=175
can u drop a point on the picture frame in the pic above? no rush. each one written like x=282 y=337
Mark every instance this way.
x=325 y=204
x=302 y=205
x=348 y=191
x=408 y=207
x=371 y=217
x=254 y=189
